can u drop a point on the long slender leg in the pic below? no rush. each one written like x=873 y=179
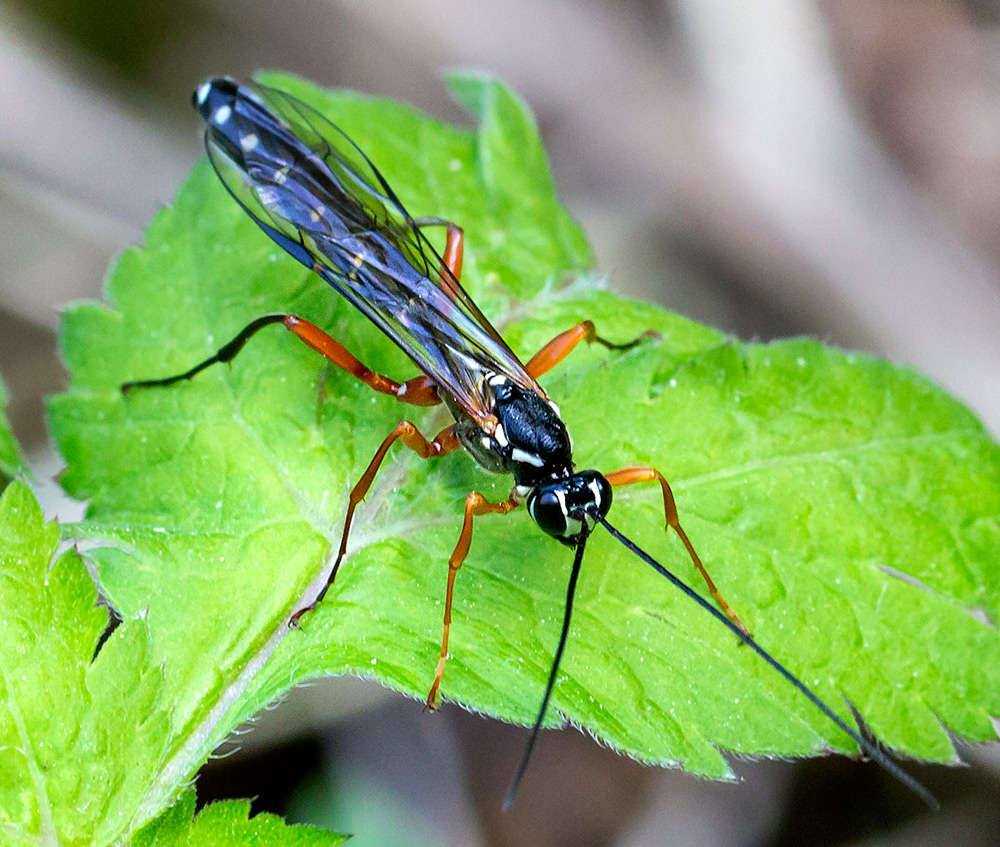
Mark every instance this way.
x=475 y=504
x=561 y=346
x=629 y=476
x=445 y=442
x=454 y=249
x=418 y=391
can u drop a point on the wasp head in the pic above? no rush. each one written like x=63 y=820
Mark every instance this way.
x=561 y=506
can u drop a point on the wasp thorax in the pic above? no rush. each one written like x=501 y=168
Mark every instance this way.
x=560 y=507
x=530 y=436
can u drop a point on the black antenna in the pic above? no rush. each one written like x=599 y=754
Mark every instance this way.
x=866 y=746
x=570 y=592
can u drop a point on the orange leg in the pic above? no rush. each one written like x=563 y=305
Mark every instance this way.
x=628 y=476
x=454 y=249
x=475 y=504
x=445 y=442
x=418 y=391
x=561 y=346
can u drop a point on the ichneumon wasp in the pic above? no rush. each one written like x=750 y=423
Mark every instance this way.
x=312 y=190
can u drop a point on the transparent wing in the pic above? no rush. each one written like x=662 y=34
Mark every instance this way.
x=313 y=191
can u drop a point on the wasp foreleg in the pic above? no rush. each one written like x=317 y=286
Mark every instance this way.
x=629 y=476
x=475 y=504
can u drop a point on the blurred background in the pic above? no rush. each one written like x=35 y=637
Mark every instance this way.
x=769 y=167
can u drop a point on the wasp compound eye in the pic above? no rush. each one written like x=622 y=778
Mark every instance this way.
x=547 y=507
x=560 y=507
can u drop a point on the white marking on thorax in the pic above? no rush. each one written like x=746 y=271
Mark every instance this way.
x=526 y=458
x=203 y=92
x=593 y=486
x=248 y=142
x=222 y=114
x=500 y=436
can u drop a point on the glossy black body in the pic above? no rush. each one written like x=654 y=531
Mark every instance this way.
x=319 y=197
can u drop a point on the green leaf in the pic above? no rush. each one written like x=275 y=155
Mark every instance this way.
x=514 y=176
x=10 y=457
x=847 y=508
x=68 y=774
x=228 y=823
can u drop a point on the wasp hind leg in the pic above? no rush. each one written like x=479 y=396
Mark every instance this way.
x=629 y=476
x=454 y=249
x=418 y=391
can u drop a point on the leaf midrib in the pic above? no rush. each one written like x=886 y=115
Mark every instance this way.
x=824 y=456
